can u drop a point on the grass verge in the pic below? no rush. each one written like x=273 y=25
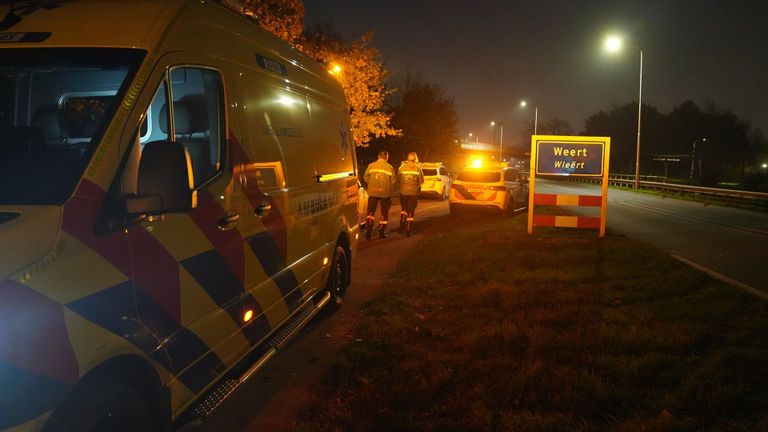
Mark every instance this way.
x=487 y=328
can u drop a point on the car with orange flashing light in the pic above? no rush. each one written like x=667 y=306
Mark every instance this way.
x=493 y=186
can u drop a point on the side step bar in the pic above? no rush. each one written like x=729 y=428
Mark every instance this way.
x=274 y=344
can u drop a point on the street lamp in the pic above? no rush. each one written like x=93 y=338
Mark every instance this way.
x=524 y=104
x=614 y=44
x=693 y=157
x=334 y=69
x=501 y=138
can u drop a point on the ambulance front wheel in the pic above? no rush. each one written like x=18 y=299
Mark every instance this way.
x=116 y=408
x=339 y=278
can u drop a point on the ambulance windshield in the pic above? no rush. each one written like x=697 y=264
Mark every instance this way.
x=55 y=105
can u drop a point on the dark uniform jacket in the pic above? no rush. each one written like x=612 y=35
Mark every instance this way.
x=411 y=177
x=380 y=176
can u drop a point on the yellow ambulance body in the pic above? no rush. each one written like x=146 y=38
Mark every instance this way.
x=178 y=193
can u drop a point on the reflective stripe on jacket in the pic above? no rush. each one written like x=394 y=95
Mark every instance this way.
x=411 y=177
x=380 y=176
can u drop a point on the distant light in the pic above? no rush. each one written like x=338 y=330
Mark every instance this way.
x=523 y=104
x=470 y=134
x=477 y=163
x=765 y=165
x=325 y=261
x=613 y=44
x=493 y=123
x=248 y=315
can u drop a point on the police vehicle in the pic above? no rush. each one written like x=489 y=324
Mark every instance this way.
x=483 y=185
x=437 y=180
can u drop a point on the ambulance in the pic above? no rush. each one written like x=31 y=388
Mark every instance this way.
x=178 y=197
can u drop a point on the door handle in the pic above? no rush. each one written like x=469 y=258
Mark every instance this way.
x=229 y=221
x=262 y=209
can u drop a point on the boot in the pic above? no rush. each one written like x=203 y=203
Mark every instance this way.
x=368 y=227
x=383 y=231
x=408 y=226
x=401 y=228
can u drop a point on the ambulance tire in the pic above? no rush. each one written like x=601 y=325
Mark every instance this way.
x=338 y=279
x=116 y=408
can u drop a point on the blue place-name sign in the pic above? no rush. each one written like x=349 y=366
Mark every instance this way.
x=569 y=158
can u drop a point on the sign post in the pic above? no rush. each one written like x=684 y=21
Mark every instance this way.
x=577 y=156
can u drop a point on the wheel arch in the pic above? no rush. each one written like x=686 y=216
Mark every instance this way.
x=343 y=241
x=129 y=370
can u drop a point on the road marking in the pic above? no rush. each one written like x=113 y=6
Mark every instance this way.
x=721 y=277
x=742 y=230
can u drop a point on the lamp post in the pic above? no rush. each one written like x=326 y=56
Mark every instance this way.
x=614 y=44
x=524 y=104
x=501 y=138
x=693 y=157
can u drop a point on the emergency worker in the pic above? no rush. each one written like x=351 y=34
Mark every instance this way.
x=380 y=177
x=411 y=177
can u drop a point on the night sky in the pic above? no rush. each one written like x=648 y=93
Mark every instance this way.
x=489 y=55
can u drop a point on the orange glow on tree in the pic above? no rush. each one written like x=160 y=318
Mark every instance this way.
x=361 y=71
x=362 y=77
x=283 y=18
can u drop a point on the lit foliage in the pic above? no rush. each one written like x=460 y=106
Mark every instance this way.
x=284 y=18
x=362 y=77
x=362 y=73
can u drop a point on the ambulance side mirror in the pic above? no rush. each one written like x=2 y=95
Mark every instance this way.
x=164 y=181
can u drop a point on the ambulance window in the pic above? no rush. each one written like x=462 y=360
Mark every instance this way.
x=146 y=127
x=198 y=118
x=155 y=126
x=82 y=112
x=55 y=106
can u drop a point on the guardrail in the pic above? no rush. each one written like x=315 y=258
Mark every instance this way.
x=754 y=200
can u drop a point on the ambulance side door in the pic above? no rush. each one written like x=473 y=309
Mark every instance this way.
x=188 y=267
x=275 y=172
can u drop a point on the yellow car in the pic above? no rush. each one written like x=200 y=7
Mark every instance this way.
x=493 y=186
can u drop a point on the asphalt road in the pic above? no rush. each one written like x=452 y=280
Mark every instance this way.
x=728 y=243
